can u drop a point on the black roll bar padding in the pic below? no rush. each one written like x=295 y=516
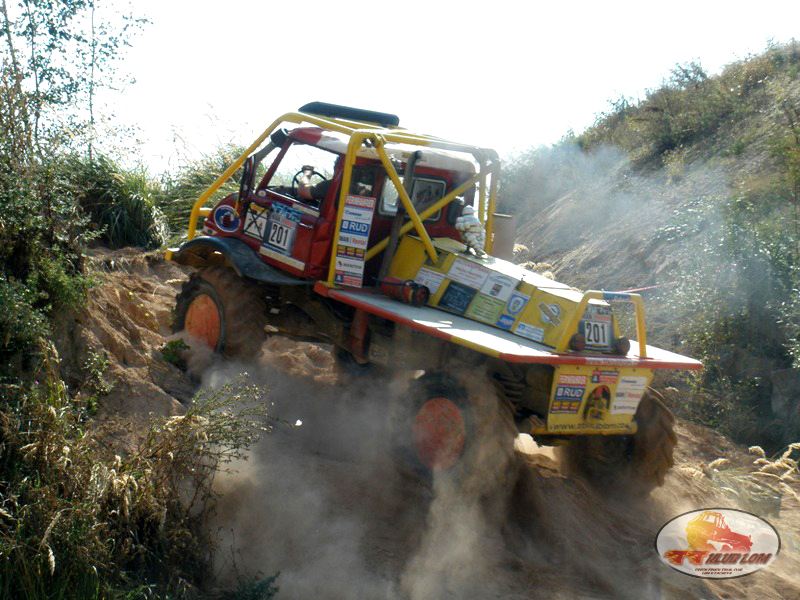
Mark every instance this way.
x=325 y=109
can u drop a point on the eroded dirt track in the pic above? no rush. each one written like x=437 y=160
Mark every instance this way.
x=325 y=504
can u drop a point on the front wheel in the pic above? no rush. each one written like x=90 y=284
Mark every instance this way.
x=225 y=312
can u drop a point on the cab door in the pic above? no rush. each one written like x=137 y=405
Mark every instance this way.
x=284 y=227
x=282 y=224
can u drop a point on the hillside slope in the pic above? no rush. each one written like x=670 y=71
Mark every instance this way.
x=693 y=196
x=324 y=504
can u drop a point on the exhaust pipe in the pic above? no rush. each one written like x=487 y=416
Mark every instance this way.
x=505 y=231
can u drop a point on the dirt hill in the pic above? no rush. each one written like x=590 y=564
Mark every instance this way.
x=325 y=505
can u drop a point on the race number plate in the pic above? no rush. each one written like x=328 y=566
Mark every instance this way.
x=280 y=235
x=597 y=333
x=281 y=228
x=597 y=329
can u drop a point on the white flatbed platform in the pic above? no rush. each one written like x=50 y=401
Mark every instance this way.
x=493 y=341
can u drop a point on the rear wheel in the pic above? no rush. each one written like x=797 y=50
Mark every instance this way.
x=636 y=462
x=223 y=311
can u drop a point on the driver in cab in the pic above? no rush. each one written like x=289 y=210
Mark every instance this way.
x=312 y=193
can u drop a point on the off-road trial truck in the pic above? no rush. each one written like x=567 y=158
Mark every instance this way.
x=349 y=230
x=710 y=526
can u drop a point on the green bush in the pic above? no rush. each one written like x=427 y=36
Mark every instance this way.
x=122 y=203
x=80 y=519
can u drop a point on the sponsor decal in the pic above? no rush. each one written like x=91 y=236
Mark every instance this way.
x=611 y=362
x=589 y=426
x=226 y=219
x=287 y=260
x=499 y=286
x=354 y=202
x=550 y=313
x=516 y=303
x=717 y=543
x=605 y=376
x=485 y=309
x=350 y=252
x=596 y=408
x=505 y=322
x=598 y=313
x=468 y=273
x=255 y=223
x=356 y=241
x=430 y=279
x=353 y=237
x=628 y=395
x=529 y=331
x=348 y=270
x=456 y=298
x=355 y=228
x=569 y=393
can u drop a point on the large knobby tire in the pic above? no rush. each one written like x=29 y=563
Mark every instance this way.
x=627 y=463
x=224 y=311
x=457 y=429
x=441 y=427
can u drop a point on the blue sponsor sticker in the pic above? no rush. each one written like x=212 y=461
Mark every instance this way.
x=226 y=219
x=516 y=303
x=355 y=227
x=505 y=322
x=570 y=392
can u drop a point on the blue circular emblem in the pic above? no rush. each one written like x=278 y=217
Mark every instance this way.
x=226 y=219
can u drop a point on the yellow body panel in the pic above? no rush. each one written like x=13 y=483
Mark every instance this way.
x=489 y=290
x=587 y=399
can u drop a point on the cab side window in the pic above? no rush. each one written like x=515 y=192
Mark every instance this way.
x=362 y=182
x=300 y=158
x=424 y=192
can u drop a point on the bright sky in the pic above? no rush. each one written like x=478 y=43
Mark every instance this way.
x=499 y=73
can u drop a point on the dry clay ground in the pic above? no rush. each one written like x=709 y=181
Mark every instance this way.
x=324 y=504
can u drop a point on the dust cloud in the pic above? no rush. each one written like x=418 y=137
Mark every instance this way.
x=327 y=506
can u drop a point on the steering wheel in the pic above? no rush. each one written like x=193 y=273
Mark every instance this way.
x=296 y=179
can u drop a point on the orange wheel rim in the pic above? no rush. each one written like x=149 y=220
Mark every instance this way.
x=439 y=433
x=203 y=320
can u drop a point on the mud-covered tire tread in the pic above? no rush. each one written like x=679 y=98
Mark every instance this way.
x=420 y=390
x=654 y=442
x=244 y=316
x=635 y=463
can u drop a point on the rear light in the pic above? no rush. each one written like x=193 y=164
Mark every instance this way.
x=622 y=346
x=577 y=343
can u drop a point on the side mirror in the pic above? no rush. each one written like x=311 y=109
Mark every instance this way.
x=279 y=137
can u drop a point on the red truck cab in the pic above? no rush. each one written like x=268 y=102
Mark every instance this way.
x=295 y=234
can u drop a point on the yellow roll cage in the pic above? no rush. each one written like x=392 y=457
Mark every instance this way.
x=361 y=132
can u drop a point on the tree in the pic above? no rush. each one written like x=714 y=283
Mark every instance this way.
x=57 y=54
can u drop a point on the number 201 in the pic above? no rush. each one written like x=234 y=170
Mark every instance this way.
x=278 y=235
x=595 y=333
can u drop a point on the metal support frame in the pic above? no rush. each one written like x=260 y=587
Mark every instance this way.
x=638 y=304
